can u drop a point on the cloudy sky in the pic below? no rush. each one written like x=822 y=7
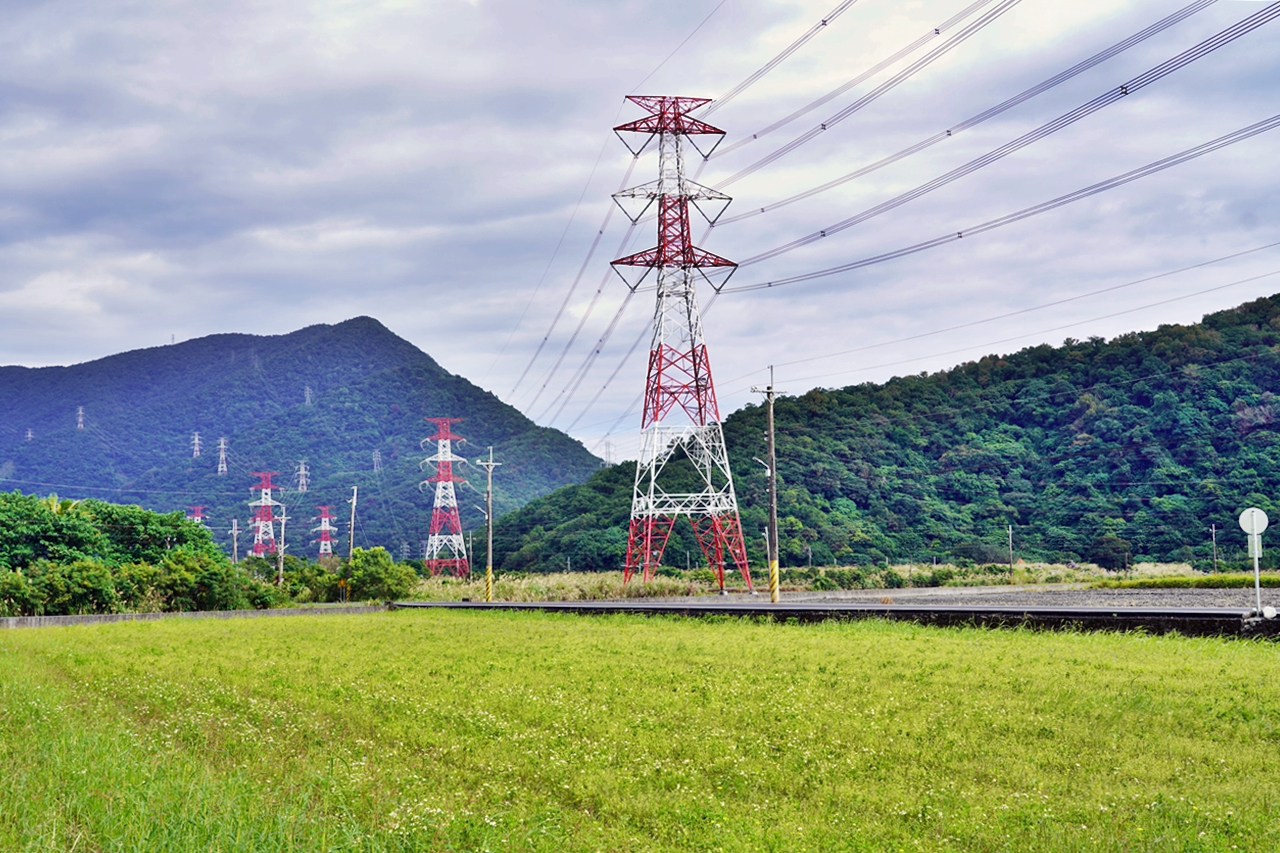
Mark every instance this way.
x=172 y=170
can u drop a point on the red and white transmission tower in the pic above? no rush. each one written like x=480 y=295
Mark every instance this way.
x=326 y=530
x=197 y=515
x=680 y=415
x=264 y=516
x=446 y=526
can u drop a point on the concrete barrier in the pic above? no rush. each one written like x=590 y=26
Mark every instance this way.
x=97 y=618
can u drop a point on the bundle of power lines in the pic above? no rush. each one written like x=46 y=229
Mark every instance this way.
x=536 y=388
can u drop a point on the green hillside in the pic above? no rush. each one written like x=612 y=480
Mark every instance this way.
x=370 y=391
x=1149 y=438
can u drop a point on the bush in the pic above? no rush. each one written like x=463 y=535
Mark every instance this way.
x=17 y=598
x=84 y=586
x=374 y=576
x=1110 y=552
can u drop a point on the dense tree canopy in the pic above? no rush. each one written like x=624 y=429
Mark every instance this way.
x=1147 y=439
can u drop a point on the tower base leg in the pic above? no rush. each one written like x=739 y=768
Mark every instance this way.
x=721 y=539
x=646 y=541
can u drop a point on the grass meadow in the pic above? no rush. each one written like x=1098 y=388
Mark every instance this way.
x=436 y=730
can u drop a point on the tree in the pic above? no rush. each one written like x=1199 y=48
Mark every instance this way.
x=1110 y=552
x=374 y=576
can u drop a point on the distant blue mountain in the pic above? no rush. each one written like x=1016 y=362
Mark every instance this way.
x=370 y=391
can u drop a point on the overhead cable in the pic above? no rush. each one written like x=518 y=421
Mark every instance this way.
x=1143 y=80
x=1040 y=88
x=595 y=243
x=692 y=33
x=550 y=261
x=1017 y=313
x=971 y=347
x=894 y=81
x=753 y=78
x=575 y=381
x=1102 y=186
x=933 y=33
x=605 y=279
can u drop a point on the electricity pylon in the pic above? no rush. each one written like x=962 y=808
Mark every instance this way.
x=264 y=517
x=446 y=526
x=680 y=417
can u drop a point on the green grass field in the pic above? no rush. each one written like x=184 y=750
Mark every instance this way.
x=493 y=731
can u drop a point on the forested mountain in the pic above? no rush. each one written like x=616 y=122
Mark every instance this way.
x=369 y=392
x=1150 y=438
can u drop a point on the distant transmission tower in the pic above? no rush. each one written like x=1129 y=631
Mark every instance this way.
x=30 y=434
x=327 y=529
x=195 y=445
x=197 y=515
x=680 y=415
x=80 y=417
x=446 y=526
x=306 y=393
x=303 y=476
x=377 y=461
x=264 y=516
x=222 y=457
x=404 y=552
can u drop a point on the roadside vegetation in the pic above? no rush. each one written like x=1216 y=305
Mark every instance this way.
x=60 y=557
x=431 y=730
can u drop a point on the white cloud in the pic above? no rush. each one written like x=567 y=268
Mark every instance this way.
x=198 y=168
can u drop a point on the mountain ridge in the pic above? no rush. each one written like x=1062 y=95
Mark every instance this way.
x=370 y=390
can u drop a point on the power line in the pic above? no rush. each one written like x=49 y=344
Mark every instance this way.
x=1143 y=80
x=894 y=81
x=1019 y=312
x=1044 y=207
x=595 y=243
x=680 y=45
x=972 y=347
x=1040 y=88
x=755 y=76
x=933 y=33
x=554 y=254
x=604 y=280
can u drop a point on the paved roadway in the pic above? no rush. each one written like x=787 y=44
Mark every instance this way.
x=1194 y=612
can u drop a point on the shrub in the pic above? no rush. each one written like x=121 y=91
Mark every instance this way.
x=84 y=586
x=1110 y=552
x=16 y=596
x=374 y=576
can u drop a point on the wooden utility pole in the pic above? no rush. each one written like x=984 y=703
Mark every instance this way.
x=488 y=522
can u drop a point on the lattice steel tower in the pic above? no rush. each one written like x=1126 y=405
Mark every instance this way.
x=264 y=516
x=446 y=526
x=326 y=529
x=680 y=417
